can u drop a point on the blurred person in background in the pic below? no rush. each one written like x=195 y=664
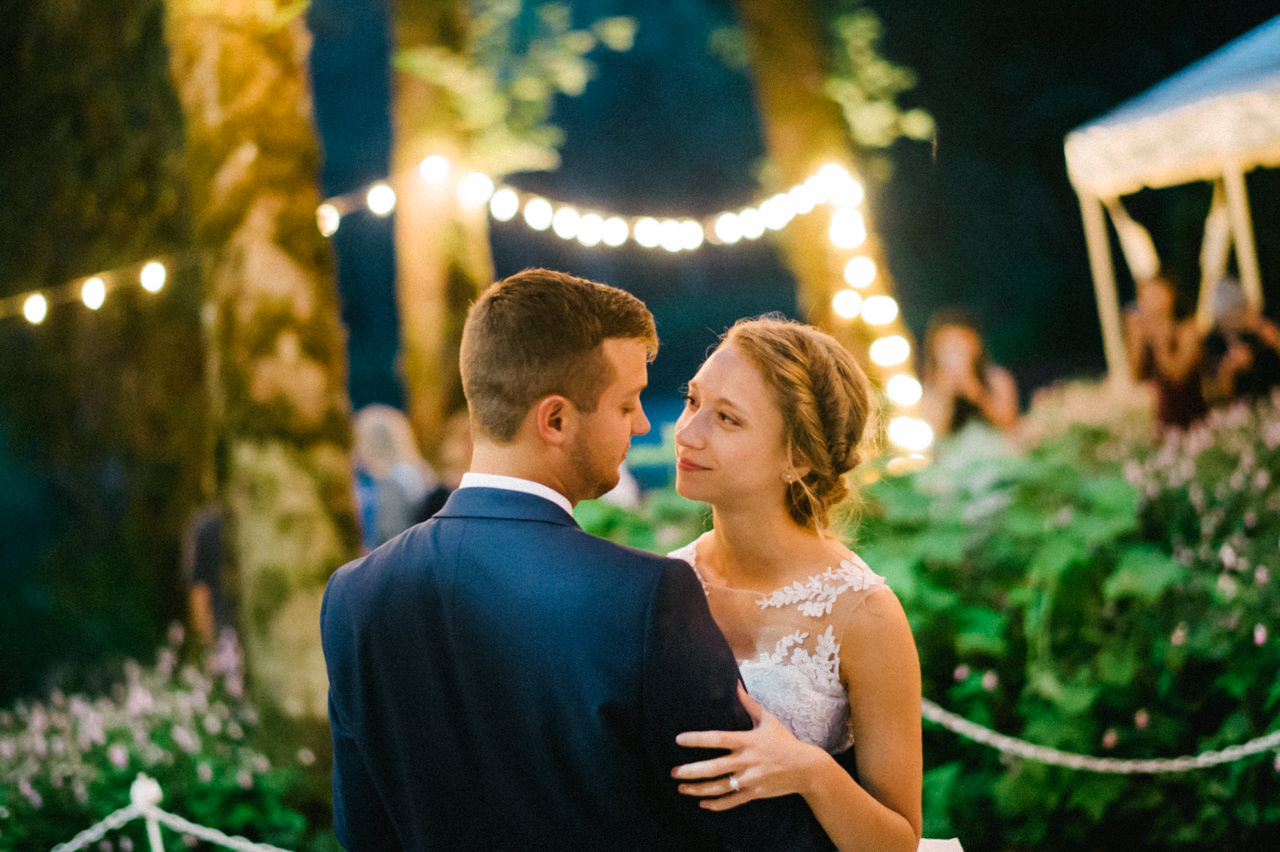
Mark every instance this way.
x=1241 y=350
x=961 y=386
x=392 y=478
x=1164 y=349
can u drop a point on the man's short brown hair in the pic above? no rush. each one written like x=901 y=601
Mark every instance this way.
x=539 y=332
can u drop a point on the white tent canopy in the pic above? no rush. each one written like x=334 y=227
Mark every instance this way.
x=1214 y=121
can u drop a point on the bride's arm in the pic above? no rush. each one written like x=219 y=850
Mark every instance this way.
x=883 y=676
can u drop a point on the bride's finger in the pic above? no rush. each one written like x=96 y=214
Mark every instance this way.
x=708 y=739
x=719 y=787
x=713 y=768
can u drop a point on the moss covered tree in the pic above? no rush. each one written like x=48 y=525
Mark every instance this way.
x=277 y=372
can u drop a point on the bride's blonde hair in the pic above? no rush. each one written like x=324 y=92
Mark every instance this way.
x=826 y=403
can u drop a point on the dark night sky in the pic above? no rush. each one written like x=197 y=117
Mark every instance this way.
x=985 y=219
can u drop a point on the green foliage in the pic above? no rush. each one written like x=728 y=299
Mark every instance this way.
x=1101 y=592
x=67 y=762
x=867 y=86
x=502 y=85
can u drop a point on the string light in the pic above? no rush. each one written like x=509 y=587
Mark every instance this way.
x=475 y=189
x=380 y=199
x=504 y=205
x=890 y=351
x=93 y=292
x=860 y=272
x=910 y=433
x=847 y=229
x=328 y=219
x=152 y=276
x=879 y=310
x=565 y=223
x=538 y=214
x=846 y=304
x=831 y=184
x=35 y=308
x=434 y=169
x=903 y=390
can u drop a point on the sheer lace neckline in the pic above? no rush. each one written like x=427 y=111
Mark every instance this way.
x=815 y=595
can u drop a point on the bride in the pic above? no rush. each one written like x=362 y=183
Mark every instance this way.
x=772 y=421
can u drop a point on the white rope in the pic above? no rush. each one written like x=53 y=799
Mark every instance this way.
x=145 y=795
x=1113 y=765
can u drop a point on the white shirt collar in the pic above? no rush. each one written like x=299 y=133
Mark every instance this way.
x=514 y=483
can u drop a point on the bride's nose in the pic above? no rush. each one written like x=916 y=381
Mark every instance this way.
x=686 y=431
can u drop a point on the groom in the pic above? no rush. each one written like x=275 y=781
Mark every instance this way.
x=499 y=679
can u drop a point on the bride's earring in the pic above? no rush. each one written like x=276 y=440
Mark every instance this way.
x=788 y=476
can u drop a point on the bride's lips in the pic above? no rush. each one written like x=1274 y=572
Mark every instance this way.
x=685 y=464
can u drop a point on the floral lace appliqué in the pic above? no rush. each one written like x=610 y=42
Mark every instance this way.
x=816 y=596
x=802 y=688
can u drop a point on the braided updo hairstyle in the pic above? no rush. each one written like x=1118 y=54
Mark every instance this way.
x=825 y=400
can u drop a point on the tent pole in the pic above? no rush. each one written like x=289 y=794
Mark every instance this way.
x=1104 y=286
x=1242 y=234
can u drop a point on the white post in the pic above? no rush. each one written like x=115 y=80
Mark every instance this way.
x=1242 y=233
x=1104 y=286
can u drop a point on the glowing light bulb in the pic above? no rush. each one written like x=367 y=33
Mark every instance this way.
x=728 y=228
x=591 y=230
x=691 y=235
x=752 y=223
x=879 y=310
x=328 y=219
x=778 y=211
x=846 y=304
x=843 y=190
x=860 y=272
x=93 y=293
x=803 y=198
x=565 y=223
x=538 y=213
x=434 y=169
x=910 y=433
x=671 y=235
x=35 y=308
x=648 y=232
x=504 y=204
x=615 y=231
x=380 y=199
x=903 y=389
x=891 y=350
x=847 y=229
x=152 y=277
x=474 y=190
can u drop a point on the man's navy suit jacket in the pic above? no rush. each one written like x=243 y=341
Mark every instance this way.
x=500 y=679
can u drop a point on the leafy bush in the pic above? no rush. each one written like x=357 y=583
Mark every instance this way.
x=1100 y=592
x=67 y=762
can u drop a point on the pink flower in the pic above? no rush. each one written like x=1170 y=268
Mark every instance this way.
x=1109 y=738
x=1259 y=634
x=961 y=673
x=118 y=755
x=204 y=772
x=990 y=680
x=1141 y=719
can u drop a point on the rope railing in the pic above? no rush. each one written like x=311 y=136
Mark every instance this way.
x=144 y=801
x=1111 y=765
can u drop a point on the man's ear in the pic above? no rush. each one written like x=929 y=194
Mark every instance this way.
x=550 y=416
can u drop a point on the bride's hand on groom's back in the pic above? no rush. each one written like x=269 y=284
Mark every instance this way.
x=761 y=763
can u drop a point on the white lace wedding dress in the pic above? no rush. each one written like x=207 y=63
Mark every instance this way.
x=787 y=644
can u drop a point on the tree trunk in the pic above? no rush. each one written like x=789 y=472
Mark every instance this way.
x=443 y=259
x=805 y=129
x=280 y=409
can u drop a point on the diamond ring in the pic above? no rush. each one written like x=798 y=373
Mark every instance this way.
x=733 y=783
